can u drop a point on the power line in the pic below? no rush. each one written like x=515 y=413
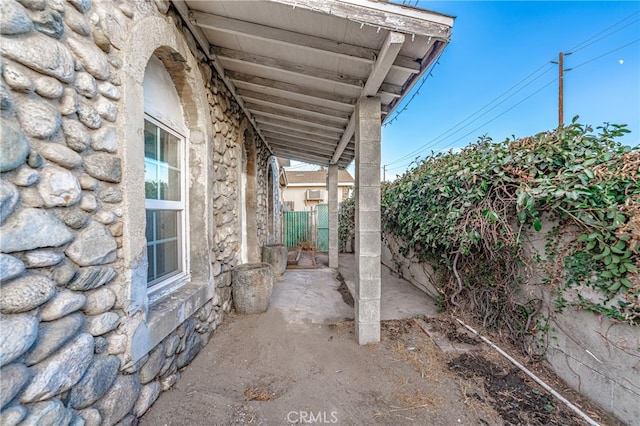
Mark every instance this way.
x=492 y=108
x=427 y=145
x=603 y=37
x=578 y=46
x=605 y=54
x=503 y=113
x=584 y=44
x=488 y=121
x=432 y=143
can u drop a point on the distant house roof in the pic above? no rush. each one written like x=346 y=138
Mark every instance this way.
x=315 y=177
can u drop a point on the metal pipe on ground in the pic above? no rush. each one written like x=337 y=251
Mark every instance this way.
x=533 y=376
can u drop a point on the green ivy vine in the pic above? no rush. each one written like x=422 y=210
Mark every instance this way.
x=346 y=222
x=468 y=211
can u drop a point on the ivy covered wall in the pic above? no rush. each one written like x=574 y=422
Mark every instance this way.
x=537 y=239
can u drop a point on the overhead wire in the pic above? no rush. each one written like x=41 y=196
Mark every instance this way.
x=487 y=105
x=584 y=44
x=605 y=54
x=431 y=143
x=580 y=46
x=502 y=113
x=603 y=37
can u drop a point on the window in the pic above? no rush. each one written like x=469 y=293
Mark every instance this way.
x=164 y=204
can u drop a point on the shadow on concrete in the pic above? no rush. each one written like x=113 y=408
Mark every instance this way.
x=312 y=295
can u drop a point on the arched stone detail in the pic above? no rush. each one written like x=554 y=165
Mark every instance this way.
x=160 y=37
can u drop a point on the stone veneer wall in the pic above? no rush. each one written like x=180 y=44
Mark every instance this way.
x=70 y=328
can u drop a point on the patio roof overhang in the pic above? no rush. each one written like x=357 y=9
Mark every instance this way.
x=298 y=67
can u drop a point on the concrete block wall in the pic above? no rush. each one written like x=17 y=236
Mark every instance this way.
x=80 y=341
x=596 y=356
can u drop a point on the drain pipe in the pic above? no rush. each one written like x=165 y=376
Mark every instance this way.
x=533 y=376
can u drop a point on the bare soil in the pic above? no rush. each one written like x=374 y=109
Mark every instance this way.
x=261 y=370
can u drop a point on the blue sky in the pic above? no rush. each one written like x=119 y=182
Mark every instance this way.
x=496 y=45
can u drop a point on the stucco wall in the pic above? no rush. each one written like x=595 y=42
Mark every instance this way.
x=298 y=195
x=80 y=340
x=595 y=355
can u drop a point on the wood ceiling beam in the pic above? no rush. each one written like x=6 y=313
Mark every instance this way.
x=392 y=45
x=299 y=40
x=252 y=90
x=277 y=121
x=302 y=71
x=261 y=98
x=289 y=67
x=297 y=118
x=310 y=115
x=388 y=53
x=315 y=159
x=288 y=131
x=288 y=87
x=301 y=148
x=300 y=141
x=185 y=14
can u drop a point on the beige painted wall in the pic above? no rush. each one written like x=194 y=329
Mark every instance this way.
x=297 y=194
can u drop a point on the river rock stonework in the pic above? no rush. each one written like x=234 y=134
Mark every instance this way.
x=70 y=336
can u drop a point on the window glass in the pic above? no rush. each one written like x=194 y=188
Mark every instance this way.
x=163 y=178
x=165 y=206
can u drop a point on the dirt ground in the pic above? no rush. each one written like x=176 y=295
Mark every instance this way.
x=285 y=373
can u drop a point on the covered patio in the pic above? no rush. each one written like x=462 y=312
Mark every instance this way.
x=317 y=80
x=300 y=359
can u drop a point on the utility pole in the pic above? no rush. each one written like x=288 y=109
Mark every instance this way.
x=561 y=89
x=561 y=71
x=384 y=172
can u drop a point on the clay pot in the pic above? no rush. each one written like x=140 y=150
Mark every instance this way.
x=251 y=287
x=276 y=256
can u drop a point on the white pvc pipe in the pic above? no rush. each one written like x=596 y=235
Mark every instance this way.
x=533 y=376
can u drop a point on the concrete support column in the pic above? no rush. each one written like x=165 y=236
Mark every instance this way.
x=333 y=215
x=367 y=218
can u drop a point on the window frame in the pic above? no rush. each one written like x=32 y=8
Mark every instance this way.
x=166 y=284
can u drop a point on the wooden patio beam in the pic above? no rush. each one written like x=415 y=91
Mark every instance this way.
x=289 y=67
x=279 y=122
x=328 y=146
x=299 y=40
x=297 y=118
x=238 y=77
x=288 y=131
x=261 y=98
x=392 y=45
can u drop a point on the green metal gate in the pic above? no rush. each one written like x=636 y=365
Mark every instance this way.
x=297 y=228
x=322 y=212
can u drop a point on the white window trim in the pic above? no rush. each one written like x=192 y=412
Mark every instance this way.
x=171 y=283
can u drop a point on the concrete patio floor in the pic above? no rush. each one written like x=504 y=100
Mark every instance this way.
x=311 y=295
x=299 y=362
x=301 y=358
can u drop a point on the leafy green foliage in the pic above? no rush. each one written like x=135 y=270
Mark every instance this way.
x=467 y=211
x=346 y=222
